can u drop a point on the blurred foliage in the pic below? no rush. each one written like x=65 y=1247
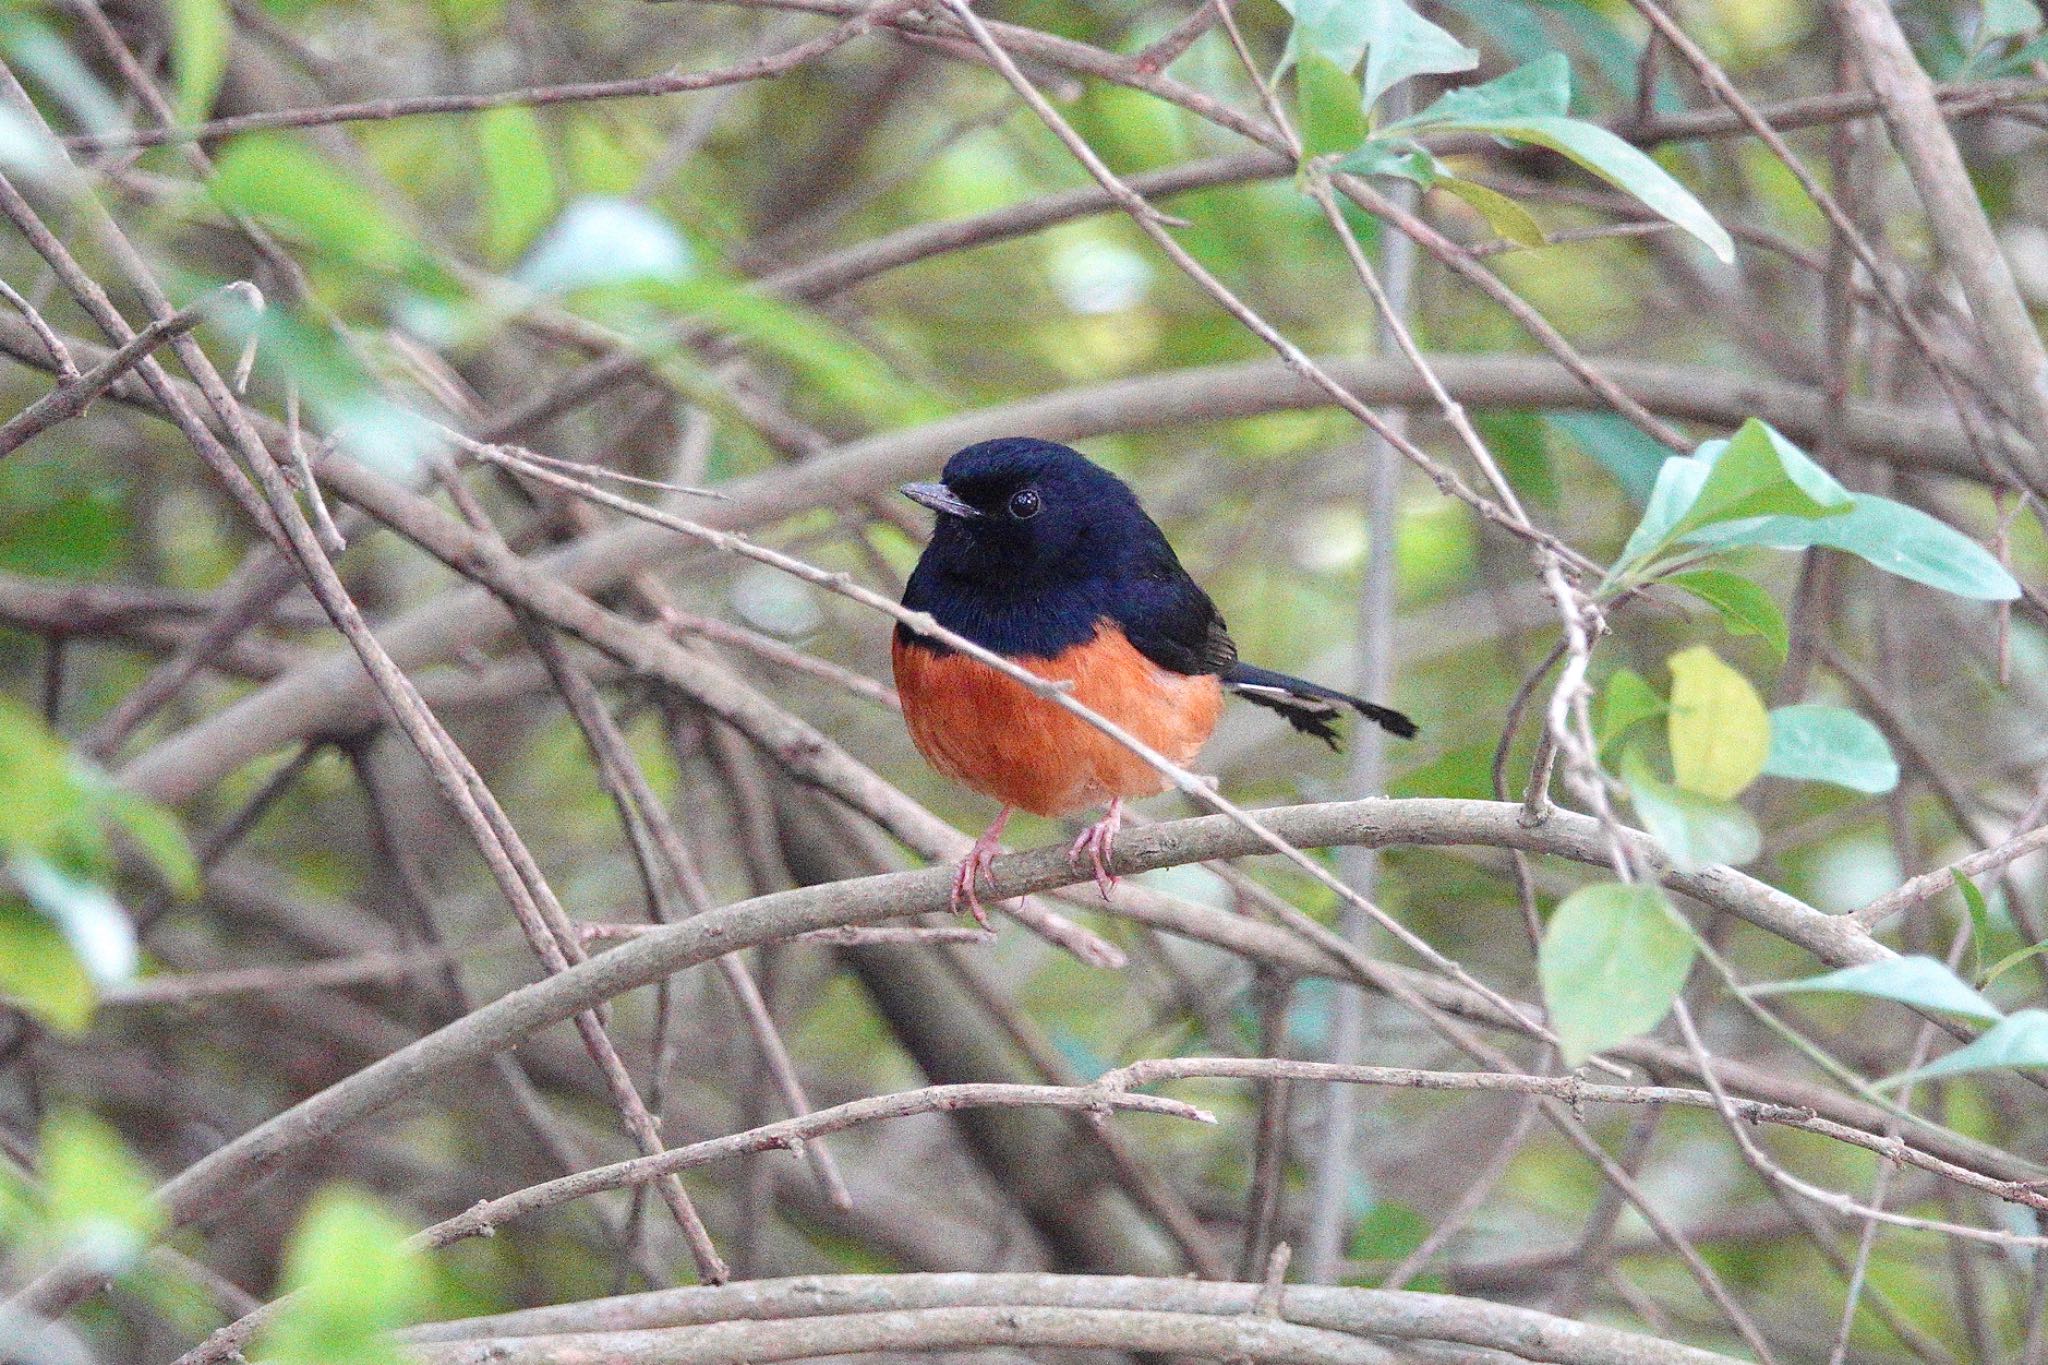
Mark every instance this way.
x=458 y=266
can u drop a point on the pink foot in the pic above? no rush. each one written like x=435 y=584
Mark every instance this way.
x=1098 y=841
x=974 y=868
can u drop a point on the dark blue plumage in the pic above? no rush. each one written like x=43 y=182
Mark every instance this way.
x=1036 y=548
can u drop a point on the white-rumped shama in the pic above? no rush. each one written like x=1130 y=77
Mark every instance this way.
x=1047 y=559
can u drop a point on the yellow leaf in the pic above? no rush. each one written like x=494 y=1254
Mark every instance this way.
x=1720 y=732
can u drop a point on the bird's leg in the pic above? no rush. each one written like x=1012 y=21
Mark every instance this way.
x=1098 y=841
x=975 y=868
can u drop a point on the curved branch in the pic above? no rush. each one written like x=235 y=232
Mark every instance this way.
x=217 y=1180
x=753 y=1310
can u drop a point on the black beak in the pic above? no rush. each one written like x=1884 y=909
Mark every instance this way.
x=940 y=499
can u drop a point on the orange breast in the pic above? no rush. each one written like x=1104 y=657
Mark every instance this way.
x=988 y=731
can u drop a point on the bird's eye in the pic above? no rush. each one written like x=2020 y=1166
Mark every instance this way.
x=1024 y=504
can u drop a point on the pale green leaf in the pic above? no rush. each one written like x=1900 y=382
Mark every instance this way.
x=101 y=1200
x=1719 y=731
x=273 y=178
x=2018 y=1040
x=1613 y=960
x=1626 y=700
x=1393 y=157
x=200 y=32
x=1745 y=608
x=519 y=185
x=1899 y=539
x=2005 y=19
x=1615 y=161
x=39 y=972
x=354 y=1282
x=1921 y=981
x=1751 y=476
x=1539 y=89
x=1502 y=214
x=1829 y=744
x=1695 y=831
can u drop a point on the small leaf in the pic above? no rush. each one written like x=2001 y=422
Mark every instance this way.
x=200 y=32
x=1400 y=44
x=1622 y=448
x=2013 y=959
x=1745 y=608
x=1625 y=702
x=39 y=973
x=1327 y=100
x=1751 y=477
x=1830 y=744
x=1613 y=960
x=519 y=185
x=1394 y=157
x=92 y=922
x=1503 y=214
x=604 y=241
x=1540 y=89
x=2005 y=19
x=355 y=1283
x=158 y=834
x=1899 y=539
x=1921 y=981
x=1614 y=161
x=1980 y=925
x=1720 y=734
x=2018 y=1040
x=1695 y=831
x=101 y=1199
x=271 y=177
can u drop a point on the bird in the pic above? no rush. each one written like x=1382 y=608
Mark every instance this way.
x=1047 y=559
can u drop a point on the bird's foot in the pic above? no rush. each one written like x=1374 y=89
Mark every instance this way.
x=1098 y=842
x=974 y=869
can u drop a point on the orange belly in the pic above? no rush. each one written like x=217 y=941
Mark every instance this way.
x=988 y=731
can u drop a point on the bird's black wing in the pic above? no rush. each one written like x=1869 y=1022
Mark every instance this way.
x=1167 y=616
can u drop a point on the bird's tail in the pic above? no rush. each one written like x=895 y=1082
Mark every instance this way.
x=1309 y=707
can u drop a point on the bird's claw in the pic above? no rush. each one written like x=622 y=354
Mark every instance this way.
x=1098 y=842
x=976 y=868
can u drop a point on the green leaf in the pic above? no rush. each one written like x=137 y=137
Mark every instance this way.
x=1502 y=214
x=101 y=1200
x=1521 y=442
x=519 y=185
x=1395 y=157
x=1720 y=734
x=2005 y=19
x=1539 y=89
x=1623 y=449
x=1326 y=100
x=1980 y=925
x=1613 y=960
x=92 y=922
x=1752 y=476
x=1921 y=981
x=200 y=32
x=271 y=177
x=42 y=801
x=1607 y=156
x=158 y=834
x=1830 y=744
x=355 y=1283
x=1400 y=44
x=2018 y=1040
x=2012 y=959
x=1899 y=539
x=1625 y=702
x=40 y=974
x=1745 y=608
x=1696 y=831
x=604 y=241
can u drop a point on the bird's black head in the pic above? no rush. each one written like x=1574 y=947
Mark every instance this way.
x=1029 y=513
